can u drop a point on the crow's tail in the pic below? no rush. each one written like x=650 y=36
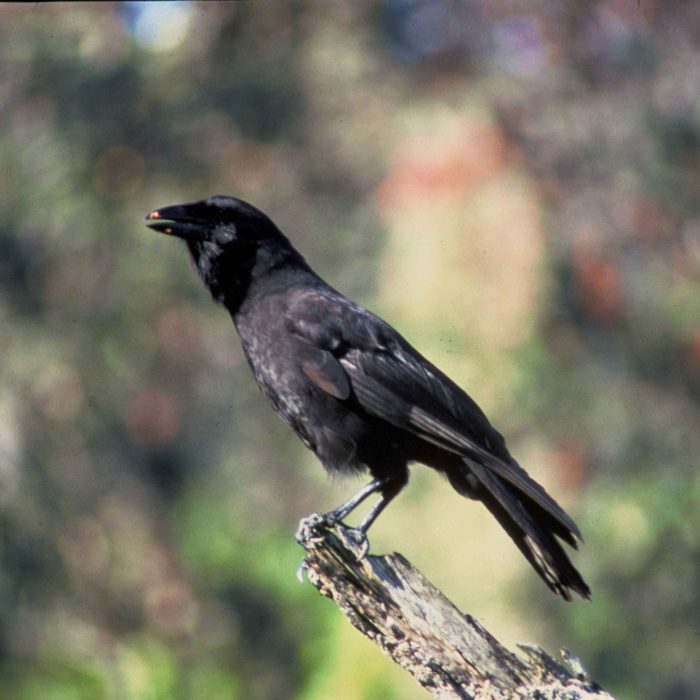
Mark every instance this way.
x=533 y=529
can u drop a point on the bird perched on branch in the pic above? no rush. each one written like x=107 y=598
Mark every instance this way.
x=354 y=390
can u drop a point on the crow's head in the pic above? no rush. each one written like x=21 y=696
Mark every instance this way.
x=219 y=220
x=231 y=242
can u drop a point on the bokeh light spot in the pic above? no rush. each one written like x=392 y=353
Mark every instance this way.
x=160 y=26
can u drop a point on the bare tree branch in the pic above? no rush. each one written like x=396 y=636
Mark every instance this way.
x=447 y=652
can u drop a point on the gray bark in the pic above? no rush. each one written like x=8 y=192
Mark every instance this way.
x=447 y=652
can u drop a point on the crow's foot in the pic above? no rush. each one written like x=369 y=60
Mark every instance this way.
x=352 y=538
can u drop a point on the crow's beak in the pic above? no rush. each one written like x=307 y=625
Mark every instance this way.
x=175 y=220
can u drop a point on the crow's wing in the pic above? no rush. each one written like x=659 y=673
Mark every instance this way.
x=391 y=380
x=440 y=412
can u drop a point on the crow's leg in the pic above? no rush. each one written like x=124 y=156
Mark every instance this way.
x=389 y=490
x=344 y=509
x=355 y=538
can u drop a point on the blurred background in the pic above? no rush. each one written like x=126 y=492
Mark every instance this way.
x=515 y=189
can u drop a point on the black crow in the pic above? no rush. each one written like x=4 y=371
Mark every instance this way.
x=354 y=391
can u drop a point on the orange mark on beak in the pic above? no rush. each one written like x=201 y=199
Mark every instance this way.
x=154 y=215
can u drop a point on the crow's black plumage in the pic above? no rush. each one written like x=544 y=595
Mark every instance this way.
x=354 y=390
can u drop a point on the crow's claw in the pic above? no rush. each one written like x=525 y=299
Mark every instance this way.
x=352 y=538
x=355 y=540
x=307 y=532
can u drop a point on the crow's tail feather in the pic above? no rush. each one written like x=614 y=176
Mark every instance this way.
x=532 y=529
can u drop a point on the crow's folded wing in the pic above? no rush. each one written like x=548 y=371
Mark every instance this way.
x=411 y=393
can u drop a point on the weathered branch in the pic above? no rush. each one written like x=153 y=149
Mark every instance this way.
x=447 y=652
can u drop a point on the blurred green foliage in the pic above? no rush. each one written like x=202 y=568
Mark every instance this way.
x=516 y=189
